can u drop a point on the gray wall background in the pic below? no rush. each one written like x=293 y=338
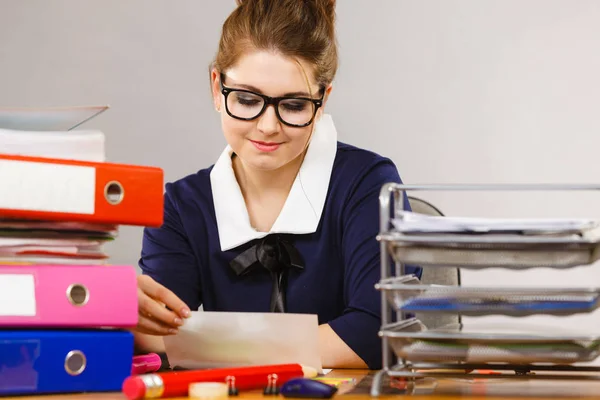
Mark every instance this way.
x=452 y=90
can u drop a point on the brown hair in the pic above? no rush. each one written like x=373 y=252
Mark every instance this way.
x=296 y=28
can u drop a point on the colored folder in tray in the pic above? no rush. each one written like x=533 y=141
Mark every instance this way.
x=408 y=295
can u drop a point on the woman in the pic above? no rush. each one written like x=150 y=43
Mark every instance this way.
x=286 y=219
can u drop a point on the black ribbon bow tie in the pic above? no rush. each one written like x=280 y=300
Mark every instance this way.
x=275 y=255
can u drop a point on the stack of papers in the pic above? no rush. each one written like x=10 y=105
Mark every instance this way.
x=51 y=133
x=51 y=242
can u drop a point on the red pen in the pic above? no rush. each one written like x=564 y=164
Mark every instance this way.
x=176 y=383
x=143 y=364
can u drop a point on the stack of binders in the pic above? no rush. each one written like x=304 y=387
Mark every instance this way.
x=65 y=312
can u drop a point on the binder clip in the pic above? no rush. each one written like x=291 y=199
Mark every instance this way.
x=232 y=390
x=271 y=389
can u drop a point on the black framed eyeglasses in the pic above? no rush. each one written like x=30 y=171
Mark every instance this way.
x=247 y=105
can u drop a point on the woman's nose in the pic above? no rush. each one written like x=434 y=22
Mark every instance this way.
x=268 y=122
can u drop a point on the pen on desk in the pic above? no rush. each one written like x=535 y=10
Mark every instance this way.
x=176 y=384
x=145 y=363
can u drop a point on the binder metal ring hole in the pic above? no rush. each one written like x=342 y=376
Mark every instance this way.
x=75 y=362
x=114 y=192
x=78 y=294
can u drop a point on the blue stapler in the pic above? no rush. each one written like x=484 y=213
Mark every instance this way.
x=304 y=387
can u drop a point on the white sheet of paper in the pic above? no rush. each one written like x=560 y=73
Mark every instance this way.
x=230 y=339
x=414 y=222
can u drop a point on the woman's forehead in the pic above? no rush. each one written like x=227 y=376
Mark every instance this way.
x=272 y=73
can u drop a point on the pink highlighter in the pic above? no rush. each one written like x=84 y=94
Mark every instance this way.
x=146 y=363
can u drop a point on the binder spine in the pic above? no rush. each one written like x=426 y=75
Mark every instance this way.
x=61 y=361
x=68 y=296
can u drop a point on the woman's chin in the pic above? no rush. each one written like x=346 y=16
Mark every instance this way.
x=265 y=165
x=266 y=161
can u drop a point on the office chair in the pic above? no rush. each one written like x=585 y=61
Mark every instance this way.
x=435 y=275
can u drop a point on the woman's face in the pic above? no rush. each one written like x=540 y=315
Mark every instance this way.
x=265 y=143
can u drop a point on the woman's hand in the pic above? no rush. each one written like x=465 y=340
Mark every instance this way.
x=154 y=304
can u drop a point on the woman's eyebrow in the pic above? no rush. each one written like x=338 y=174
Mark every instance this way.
x=257 y=90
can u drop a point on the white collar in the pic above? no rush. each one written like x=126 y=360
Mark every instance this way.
x=302 y=210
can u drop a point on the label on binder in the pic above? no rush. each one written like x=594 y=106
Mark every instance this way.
x=17 y=295
x=47 y=187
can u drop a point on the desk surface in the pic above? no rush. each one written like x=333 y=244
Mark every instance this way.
x=431 y=389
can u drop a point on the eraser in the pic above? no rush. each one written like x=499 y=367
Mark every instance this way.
x=208 y=390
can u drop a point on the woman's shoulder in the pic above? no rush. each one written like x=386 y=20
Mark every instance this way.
x=191 y=188
x=355 y=163
x=359 y=173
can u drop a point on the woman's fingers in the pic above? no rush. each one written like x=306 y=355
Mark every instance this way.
x=160 y=293
x=151 y=309
x=155 y=303
x=152 y=327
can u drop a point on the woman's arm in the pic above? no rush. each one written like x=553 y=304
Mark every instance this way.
x=335 y=353
x=352 y=340
x=169 y=286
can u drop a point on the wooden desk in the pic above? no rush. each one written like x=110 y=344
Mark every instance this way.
x=443 y=389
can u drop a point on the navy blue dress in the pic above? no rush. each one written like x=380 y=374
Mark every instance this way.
x=335 y=267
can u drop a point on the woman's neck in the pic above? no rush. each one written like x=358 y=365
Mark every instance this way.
x=265 y=192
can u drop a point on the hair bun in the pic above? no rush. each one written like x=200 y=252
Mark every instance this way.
x=331 y=7
x=329 y=4
x=302 y=29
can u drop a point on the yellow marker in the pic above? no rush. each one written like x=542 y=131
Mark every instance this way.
x=336 y=382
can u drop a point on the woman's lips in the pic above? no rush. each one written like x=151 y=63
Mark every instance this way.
x=265 y=146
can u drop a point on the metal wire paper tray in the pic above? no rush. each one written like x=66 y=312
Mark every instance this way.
x=469 y=243
x=486 y=251
x=487 y=343
x=407 y=294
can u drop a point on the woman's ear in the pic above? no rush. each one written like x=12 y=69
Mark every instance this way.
x=328 y=90
x=321 y=110
x=215 y=79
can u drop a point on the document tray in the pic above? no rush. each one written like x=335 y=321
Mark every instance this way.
x=487 y=251
x=489 y=343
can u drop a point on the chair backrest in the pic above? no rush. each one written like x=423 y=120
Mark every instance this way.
x=435 y=275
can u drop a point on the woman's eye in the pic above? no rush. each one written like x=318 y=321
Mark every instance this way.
x=247 y=101
x=295 y=106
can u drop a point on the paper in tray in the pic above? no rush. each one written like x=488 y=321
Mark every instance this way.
x=488 y=343
x=514 y=244
x=492 y=250
x=408 y=295
x=411 y=222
